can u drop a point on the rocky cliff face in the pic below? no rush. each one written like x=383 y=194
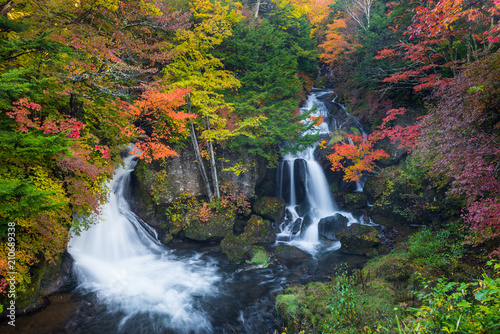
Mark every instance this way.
x=159 y=184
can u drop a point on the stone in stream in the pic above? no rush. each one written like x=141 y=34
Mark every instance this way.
x=257 y=231
x=290 y=255
x=359 y=239
x=297 y=224
x=328 y=226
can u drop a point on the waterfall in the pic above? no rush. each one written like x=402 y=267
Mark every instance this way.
x=121 y=260
x=305 y=189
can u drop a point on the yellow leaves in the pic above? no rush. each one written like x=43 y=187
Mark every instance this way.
x=206 y=10
x=238 y=169
x=294 y=11
x=149 y=8
x=109 y=4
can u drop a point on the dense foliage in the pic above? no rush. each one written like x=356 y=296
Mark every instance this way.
x=427 y=79
x=80 y=80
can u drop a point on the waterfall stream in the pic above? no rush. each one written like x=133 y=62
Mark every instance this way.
x=303 y=186
x=122 y=261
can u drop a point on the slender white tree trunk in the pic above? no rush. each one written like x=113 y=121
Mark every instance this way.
x=199 y=159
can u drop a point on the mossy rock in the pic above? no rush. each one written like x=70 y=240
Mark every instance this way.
x=328 y=226
x=47 y=279
x=215 y=229
x=168 y=237
x=271 y=208
x=355 y=201
x=235 y=247
x=290 y=254
x=259 y=257
x=259 y=231
x=288 y=307
x=256 y=231
x=391 y=268
x=359 y=239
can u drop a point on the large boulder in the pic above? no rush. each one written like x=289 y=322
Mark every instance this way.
x=215 y=229
x=235 y=247
x=272 y=208
x=352 y=201
x=159 y=184
x=359 y=239
x=328 y=226
x=290 y=255
x=257 y=231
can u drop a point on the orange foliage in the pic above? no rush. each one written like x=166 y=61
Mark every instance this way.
x=156 y=116
x=355 y=157
x=340 y=42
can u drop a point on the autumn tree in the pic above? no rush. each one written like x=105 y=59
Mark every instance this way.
x=194 y=67
x=158 y=117
x=341 y=42
x=64 y=71
x=271 y=57
x=358 y=10
x=459 y=145
x=355 y=156
x=442 y=37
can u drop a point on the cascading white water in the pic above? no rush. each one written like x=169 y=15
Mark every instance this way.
x=133 y=274
x=305 y=176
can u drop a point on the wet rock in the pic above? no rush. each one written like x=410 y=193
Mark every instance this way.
x=215 y=229
x=297 y=225
x=290 y=255
x=283 y=178
x=300 y=169
x=235 y=247
x=257 y=231
x=302 y=210
x=58 y=281
x=307 y=221
x=328 y=226
x=355 y=201
x=271 y=208
x=359 y=239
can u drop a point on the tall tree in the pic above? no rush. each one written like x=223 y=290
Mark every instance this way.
x=194 y=67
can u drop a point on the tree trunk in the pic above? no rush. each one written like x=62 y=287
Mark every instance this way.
x=199 y=159
x=257 y=7
x=213 y=167
x=6 y=7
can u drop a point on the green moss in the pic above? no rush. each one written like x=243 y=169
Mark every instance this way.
x=235 y=247
x=256 y=231
x=259 y=257
x=271 y=208
x=216 y=228
x=287 y=304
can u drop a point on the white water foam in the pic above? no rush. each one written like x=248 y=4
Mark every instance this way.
x=122 y=261
x=317 y=192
